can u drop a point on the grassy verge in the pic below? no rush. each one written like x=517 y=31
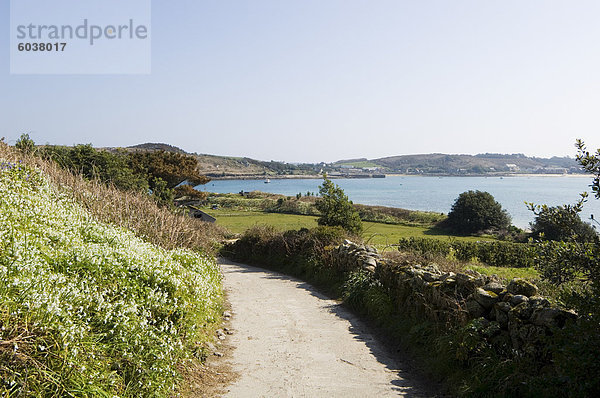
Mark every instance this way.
x=88 y=308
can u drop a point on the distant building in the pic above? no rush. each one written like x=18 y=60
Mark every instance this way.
x=512 y=167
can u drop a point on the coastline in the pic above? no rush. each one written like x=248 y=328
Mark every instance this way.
x=350 y=177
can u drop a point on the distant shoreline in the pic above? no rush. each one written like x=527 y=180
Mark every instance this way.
x=367 y=177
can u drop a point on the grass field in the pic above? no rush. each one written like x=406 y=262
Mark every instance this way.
x=374 y=233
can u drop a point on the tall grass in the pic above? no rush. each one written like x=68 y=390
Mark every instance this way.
x=131 y=210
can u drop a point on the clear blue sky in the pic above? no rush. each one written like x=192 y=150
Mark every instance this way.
x=322 y=80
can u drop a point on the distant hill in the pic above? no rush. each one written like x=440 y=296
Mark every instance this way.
x=423 y=164
x=215 y=166
x=439 y=163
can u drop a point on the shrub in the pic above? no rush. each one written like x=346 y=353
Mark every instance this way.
x=576 y=259
x=264 y=244
x=497 y=253
x=561 y=223
x=475 y=211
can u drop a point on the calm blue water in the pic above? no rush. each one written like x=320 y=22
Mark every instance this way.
x=435 y=193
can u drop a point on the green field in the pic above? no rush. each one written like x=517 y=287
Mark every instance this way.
x=374 y=233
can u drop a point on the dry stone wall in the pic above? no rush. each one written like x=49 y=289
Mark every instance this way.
x=513 y=312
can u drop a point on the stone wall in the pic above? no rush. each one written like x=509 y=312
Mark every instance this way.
x=513 y=313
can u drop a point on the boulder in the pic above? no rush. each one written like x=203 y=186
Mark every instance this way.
x=433 y=268
x=539 y=302
x=525 y=336
x=475 y=309
x=502 y=306
x=467 y=283
x=522 y=286
x=494 y=287
x=447 y=275
x=501 y=313
x=522 y=311
x=486 y=298
x=551 y=317
x=369 y=261
x=518 y=299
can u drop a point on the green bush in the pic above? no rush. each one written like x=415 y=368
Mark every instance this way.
x=475 y=211
x=561 y=223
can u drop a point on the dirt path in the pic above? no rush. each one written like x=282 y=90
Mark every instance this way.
x=291 y=341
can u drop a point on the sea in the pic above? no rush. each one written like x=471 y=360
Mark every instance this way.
x=437 y=194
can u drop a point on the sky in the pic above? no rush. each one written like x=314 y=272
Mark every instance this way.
x=323 y=80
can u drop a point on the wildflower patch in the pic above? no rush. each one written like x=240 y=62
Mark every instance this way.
x=89 y=309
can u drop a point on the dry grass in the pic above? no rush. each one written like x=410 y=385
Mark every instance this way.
x=131 y=210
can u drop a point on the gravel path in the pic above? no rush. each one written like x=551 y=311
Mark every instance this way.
x=291 y=341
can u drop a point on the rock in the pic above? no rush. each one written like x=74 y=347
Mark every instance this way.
x=524 y=336
x=475 y=309
x=518 y=299
x=433 y=268
x=539 y=302
x=522 y=286
x=370 y=261
x=348 y=242
x=551 y=317
x=494 y=287
x=227 y=314
x=218 y=354
x=522 y=311
x=429 y=276
x=447 y=275
x=502 y=306
x=501 y=312
x=486 y=298
x=467 y=283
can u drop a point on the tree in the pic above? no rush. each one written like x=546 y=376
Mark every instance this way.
x=561 y=223
x=336 y=209
x=173 y=168
x=475 y=211
x=163 y=195
x=25 y=144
